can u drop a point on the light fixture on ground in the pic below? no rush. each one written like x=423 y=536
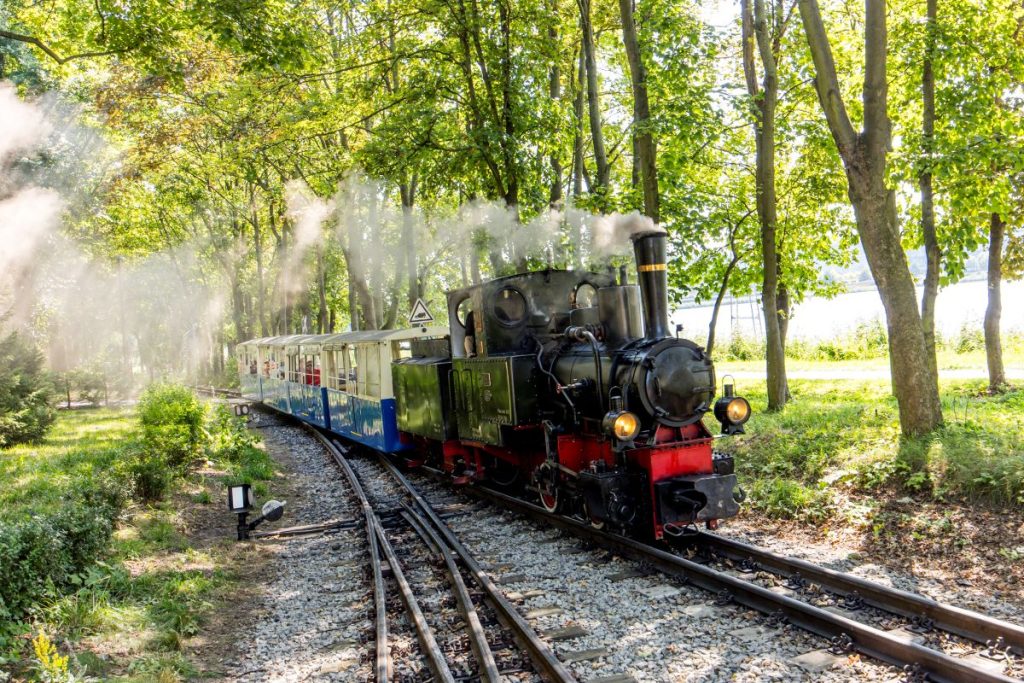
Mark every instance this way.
x=240 y=502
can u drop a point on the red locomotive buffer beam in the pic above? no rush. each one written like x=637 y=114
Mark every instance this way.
x=675 y=472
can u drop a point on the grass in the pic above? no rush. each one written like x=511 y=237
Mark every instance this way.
x=81 y=445
x=131 y=615
x=839 y=438
x=947 y=360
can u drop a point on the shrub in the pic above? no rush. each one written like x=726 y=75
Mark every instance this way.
x=26 y=392
x=172 y=425
x=969 y=339
x=146 y=473
x=743 y=348
x=782 y=497
x=45 y=551
x=229 y=438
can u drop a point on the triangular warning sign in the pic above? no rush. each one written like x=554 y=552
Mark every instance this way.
x=420 y=314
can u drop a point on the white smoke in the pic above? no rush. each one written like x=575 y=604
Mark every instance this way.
x=23 y=126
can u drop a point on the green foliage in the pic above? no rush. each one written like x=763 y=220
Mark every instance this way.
x=44 y=553
x=172 y=421
x=148 y=473
x=845 y=435
x=230 y=439
x=781 y=497
x=970 y=339
x=26 y=393
x=63 y=567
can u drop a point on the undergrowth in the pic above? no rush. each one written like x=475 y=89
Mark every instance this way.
x=844 y=438
x=869 y=341
x=99 y=493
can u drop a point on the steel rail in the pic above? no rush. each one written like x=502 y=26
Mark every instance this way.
x=969 y=624
x=477 y=638
x=423 y=631
x=543 y=658
x=853 y=635
x=382 y=664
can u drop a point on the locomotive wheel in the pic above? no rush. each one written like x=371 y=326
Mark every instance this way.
x=594 y=520
x=549 y=499
x=503 y=475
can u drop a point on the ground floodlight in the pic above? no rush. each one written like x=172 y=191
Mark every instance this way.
x=240 y=502
x=272 y=511
x=240 y=498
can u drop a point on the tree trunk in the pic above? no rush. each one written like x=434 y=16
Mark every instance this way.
x=712 y=326
x=594 y=103
x=932 y=251
x=645 y=151
x=285 y=322
x=555 y=91
x=864 y=158
x=407 y=191
x=764 y=98
x=994 y=310
x=577 y=141
x=257 y=237
x=321 y=287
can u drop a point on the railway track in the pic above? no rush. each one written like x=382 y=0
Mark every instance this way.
x=928 y=639
x=797 y=598
x=410 y=543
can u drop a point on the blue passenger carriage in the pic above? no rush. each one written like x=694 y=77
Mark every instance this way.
x=341 y=382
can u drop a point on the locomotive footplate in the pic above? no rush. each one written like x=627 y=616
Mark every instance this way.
x=696 y=498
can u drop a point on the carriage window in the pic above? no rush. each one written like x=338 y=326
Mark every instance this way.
x=339 y=370
x=509 y=306
x=330 y=371
x=351 y=368
x=311 y=370
x=463 y=310
x=586 y=295
x=293 y=368
x=370 y=382
x=401 y=349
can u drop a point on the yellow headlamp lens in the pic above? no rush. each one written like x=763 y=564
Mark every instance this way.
x=738 y=410
x=626 y=427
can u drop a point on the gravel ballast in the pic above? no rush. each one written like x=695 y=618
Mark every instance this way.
x=314 y=618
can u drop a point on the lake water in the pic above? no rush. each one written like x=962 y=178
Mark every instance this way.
x=816 y=318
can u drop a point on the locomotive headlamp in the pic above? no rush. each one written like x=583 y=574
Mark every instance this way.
x=621 y=424
x=732 y=412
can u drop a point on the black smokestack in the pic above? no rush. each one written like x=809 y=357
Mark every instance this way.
x=652 y=273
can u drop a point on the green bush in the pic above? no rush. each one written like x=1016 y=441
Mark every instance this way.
x=26 y=392
x=45 y=552
x=146 y=473
x=172 y=425
x=230 y=440
x=782 y=497
x=743 y=348
x=969 y=339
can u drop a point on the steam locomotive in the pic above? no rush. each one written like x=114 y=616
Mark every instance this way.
x=565 y=384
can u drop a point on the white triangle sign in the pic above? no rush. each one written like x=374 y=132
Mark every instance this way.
x=420 y=314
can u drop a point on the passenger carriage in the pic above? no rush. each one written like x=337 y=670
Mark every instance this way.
x=341 y=382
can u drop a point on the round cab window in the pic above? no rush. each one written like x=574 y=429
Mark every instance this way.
x=586 y=295
x=465 y=306
x=509 y=306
